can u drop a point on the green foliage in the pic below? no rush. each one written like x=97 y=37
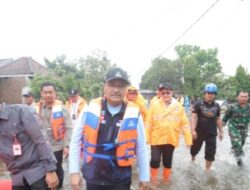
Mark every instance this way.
x=193 y=68
x=189 y=72
x=227 y=87
x=200 y=67
x=85 y=74
x=242 y=79
x=162 y=70
x=38 y=80
x=192 y=81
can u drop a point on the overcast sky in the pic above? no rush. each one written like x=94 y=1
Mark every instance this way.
x=132 y=32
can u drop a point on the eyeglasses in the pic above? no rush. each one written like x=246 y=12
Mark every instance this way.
x=132 y=93
x=167 y=93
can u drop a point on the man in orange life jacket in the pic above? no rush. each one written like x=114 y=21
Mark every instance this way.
x=111 y=133
x=57 y=123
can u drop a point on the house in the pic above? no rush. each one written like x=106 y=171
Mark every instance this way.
x=16 y=75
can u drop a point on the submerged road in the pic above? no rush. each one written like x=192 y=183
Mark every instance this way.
x=188 y=175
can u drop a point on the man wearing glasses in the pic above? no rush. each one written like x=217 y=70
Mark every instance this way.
x=205 y=121
x=166 y=120
x=111 y=134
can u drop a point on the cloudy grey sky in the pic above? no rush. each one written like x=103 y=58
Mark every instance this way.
x=132 y=32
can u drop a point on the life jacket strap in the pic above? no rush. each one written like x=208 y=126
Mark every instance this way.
x=110 y=158
x=108 y=146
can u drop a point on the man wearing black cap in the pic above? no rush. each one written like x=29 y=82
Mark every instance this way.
x=29 y=98
x=113 y=135
x=75 y=105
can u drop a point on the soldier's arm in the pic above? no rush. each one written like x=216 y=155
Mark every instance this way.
x=227 y=115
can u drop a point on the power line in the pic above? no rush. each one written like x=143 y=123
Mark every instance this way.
x=184 y=33
x=189 y=28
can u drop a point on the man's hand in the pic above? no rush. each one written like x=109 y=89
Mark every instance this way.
x=221 y=135
x=194 y=135
x=65 y=152
x=52 y=180
x=76 y=181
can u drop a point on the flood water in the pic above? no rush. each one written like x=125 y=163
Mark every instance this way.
x=188 y=175
x=225 y=174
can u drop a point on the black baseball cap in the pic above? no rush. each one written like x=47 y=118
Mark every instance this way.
x=167 y=86
x=28 y=94
x=116 y=73
x=73 y=92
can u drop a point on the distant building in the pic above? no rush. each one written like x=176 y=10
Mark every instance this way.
x=16 y=75
x=147 y=94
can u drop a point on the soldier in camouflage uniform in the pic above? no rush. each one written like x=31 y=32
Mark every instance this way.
x=238 y=117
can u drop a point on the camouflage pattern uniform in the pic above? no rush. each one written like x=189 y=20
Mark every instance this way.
x=239 y=118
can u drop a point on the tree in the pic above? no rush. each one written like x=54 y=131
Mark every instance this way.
x=189 y=72
x=38 y=80
x=227 y=87
x=162 y=70
x=94 y=68
x=199 y=67
x=242 y=79
x=86 y=74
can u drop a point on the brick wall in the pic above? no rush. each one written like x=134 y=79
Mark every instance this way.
x=11 y=89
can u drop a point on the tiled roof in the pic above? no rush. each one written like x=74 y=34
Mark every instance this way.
x=4 y=62
x=21 y=66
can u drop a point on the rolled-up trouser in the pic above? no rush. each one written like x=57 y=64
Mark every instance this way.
x=165 y=151
x=210 y=146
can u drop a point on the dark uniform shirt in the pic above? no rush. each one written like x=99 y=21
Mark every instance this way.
x=37 y=157
x=207 y=116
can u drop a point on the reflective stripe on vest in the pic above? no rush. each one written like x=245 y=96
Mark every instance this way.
x=126 y=139
x=57 y=122
x=57 y=119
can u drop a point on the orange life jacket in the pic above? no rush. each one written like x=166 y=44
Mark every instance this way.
x=81 y=105
x=56 y=119
x=126 y=139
